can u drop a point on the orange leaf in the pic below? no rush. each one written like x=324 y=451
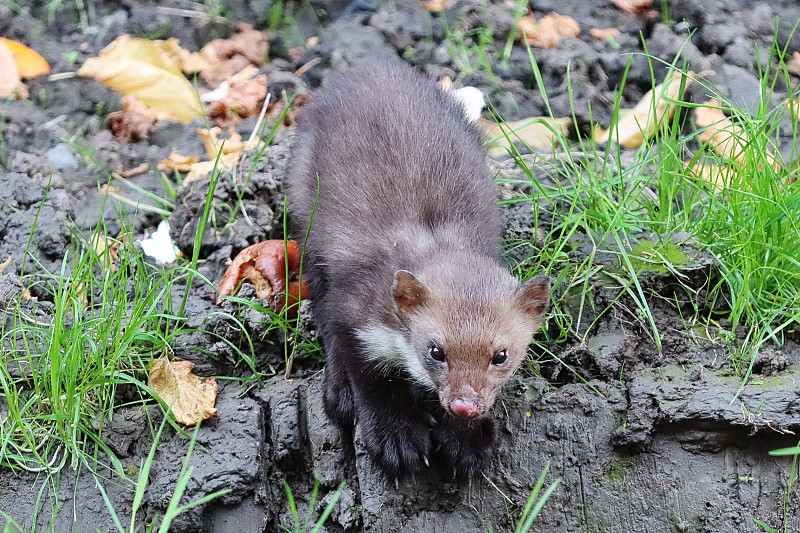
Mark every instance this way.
x=549 y=30
x=30 y=63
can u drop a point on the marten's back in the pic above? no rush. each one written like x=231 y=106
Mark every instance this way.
x=387 y=157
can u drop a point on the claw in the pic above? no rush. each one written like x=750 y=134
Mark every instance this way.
x=425 y=459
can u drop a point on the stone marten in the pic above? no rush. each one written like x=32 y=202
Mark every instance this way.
x=421 y=321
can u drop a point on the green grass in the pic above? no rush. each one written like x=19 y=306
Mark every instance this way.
x=306 y=523
x=749 y=224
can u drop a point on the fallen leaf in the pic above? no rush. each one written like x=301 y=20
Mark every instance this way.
x=30 y=64
x=793 y=65
x=244 y=99
x=726 y=139
x=548 y=30
x=651 y=112
x=603 y=34
x=263 y=265
x=437 y=6
x=247 y=47
x=9 y=74
x=188 y=62
x=536 y=132
x=140 y=68
x=634 y=7
x=176 y=162
x=135 y=171
x=4 y=265
x=189 y=397
x=134 y=122
x=107 y=249
x=718 y=176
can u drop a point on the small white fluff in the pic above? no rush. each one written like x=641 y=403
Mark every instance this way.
x=471 y=99
x=217 y=94
x=159 y=245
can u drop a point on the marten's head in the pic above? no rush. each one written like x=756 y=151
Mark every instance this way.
x=466 y=331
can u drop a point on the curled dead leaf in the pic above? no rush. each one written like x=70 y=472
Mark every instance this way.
x=536 y=132
x=263 y=265
x=634 y=7
x=247 y=47
x=244 y=99
x=140 y=68
x=30 y=64
x=548 y=30
x=190 y=398
x=651 y=112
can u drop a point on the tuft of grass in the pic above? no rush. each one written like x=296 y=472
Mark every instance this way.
x=599 y=208
x=304 y=524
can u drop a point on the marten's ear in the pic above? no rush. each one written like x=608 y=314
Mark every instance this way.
x=409 y=292
x=533 y=297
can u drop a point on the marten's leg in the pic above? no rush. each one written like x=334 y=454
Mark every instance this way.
x=337 y=393
x=465 y=446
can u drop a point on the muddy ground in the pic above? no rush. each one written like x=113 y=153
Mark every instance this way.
x=652 y=442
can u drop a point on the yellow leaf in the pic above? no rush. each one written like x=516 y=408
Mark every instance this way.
x=718 y=176
x=436 y=6
x=190 y=398
x=548 y=30
x=536 y=132
x=9 y=75
x=30 y=63
x=727 y=139
x=140 y=68
x=651 y=113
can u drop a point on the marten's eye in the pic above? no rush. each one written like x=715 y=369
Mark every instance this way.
x=500 y=357
x=436 y=352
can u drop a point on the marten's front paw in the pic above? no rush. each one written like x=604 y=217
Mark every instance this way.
x=465 y=446
x=337 y=397
x=401 y=444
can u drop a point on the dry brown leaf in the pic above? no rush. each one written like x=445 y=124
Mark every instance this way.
x=9 y=74
x=30 y=64
x=549 y=30
x=604 y=33
x=642 y=122
x=247 y=47
x=188 y=62
x=177 y=162
x=437 y=6
x=245 y=98
x=190 y=398
x=134 y=122
x=793 y=65
x=536 y=132
x=107 y=249
x=634 y=7
x=140 y=68
x=728 y=140
x=106 y=189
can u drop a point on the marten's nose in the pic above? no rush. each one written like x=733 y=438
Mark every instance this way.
x=463 y=408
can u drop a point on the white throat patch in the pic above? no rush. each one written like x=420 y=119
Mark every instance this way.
x=390 y=349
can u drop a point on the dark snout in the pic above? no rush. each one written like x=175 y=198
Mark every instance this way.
x=464 y=408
